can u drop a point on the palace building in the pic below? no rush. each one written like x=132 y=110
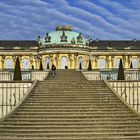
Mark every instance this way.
x=69 y=49
x=103 y=104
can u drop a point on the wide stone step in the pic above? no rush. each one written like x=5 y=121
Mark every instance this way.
x=73 y=134
x=72 y=93
x=70 y=105
x=73 y=98
x=73 y=123
x=73 y=90
x=71 y=109
x=107 y=126
x=103 y=103
x=72 y=138
x=101 y=115
x=52 y=95
x=71 y=119
x=70 y=130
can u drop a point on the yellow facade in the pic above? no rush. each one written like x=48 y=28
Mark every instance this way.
x=72 y=60
x=59 y=49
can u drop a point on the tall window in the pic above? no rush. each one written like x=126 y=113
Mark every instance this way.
x=80 y=62
x=64 y=62
x=102 y=63
x=117 y=62
x=26 y=64
x=8 y=64
x=47 y=63
x=135 y=63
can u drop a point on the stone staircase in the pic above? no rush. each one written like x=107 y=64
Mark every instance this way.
x=68 y=107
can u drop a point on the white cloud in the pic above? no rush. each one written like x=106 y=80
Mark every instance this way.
x=107 y=19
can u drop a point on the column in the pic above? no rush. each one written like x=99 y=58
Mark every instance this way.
x=110 y=62
x=51 y=60
x=96 y=62
x=75 y=60
x=31 y=62
x=125 y=61
x=112 y=58
x=70 y=60
x=2 y=61
x=138 y=61
x=86 y=61
x=107 y=62
x=57 y=59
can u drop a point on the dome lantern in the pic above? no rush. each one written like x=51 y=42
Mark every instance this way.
x=63 y=28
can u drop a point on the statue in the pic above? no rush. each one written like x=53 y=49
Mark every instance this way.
x=47 y=38
x=80 y=38
x=63 y=37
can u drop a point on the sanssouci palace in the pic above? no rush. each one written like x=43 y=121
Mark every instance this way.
x=95 y=93
x=64 y=47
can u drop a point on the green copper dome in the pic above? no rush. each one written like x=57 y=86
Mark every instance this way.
x=63 y=35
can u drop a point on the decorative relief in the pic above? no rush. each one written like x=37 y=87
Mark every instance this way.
x=57 y=56
x=124 y=58
x=63 y=37
x=91 y=57
x=108 y=61
x=14 y=58
x=75 y=55
x=3 y=58
x=31 y=59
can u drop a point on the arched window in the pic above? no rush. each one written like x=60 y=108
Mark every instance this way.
x=47 y=63
x=80 y=63
x=135 y=63
x=26 y=64
x=8 y=64
x=117 y=62
x=64 y=62
x=102 y=63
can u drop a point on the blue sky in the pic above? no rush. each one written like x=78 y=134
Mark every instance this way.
x=97 y=19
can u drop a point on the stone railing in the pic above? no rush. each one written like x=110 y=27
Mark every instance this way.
x=11 y=93
x=92 y=75
x=26 y=75
x=111 y=74
x=39 y=75
x=129 y=91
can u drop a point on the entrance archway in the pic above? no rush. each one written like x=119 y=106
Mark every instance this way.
x=64 y=62
x=47 y=63
x=80 y=63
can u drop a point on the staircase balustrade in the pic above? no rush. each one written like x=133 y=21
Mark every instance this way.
x=26 y=75
x=129 y=91
x=10 y=94
x=111 y=74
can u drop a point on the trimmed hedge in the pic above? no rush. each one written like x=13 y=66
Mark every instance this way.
x=17 y=71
